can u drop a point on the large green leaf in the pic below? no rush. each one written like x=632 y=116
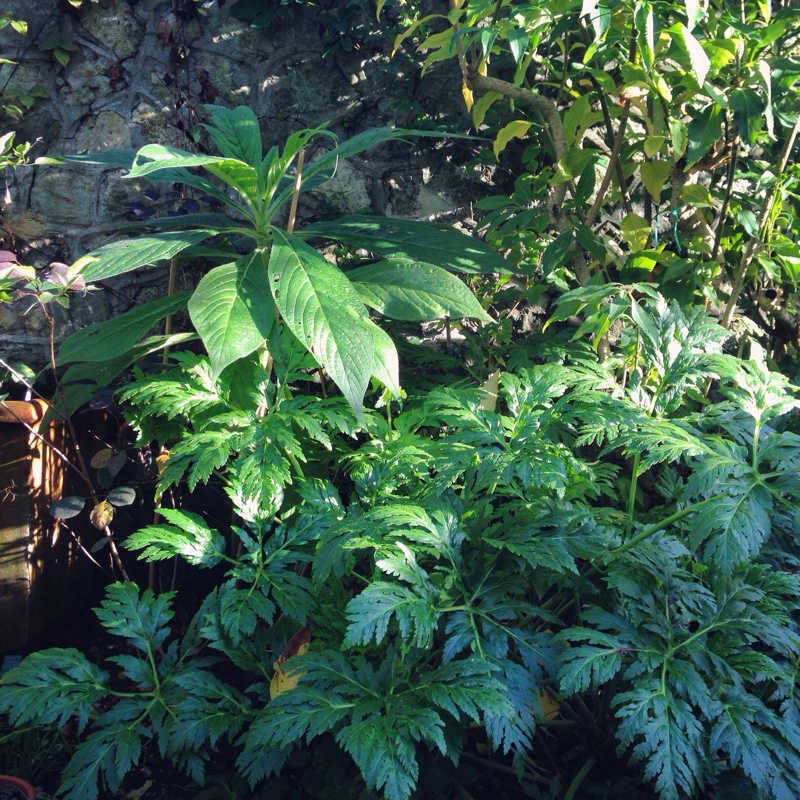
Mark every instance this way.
x=236 y=133
x=323 y=310
x=387 y=363
x=81 y=381
x=412 y=290
x=113 y=158
x=126 y=255
x=232 y=310
x=704 y=130
x=114 y=337
x=416 y=241
x=748 y=113
x=155 y=157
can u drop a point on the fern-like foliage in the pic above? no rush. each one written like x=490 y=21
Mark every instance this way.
x=602 y=532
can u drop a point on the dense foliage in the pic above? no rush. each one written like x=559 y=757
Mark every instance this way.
x=573 y=550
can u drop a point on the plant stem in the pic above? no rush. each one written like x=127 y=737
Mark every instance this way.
x=613 y=160
x=578 y=779
x=634 y=481
x=749 y=252
x=658 y=526
x=730 y=178
x=298 y=180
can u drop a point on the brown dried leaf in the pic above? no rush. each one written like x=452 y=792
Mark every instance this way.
x=296 y=646
x=161 y=461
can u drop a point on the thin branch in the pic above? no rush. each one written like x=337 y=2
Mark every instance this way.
x=613 y=160
x=549 y=111
x=730 y=177
x=298 y=180
x=752 y=246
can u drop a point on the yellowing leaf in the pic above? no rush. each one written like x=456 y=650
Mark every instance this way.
x=466 y=93
x=161 y=461
x=653 y=145
x=635 y=231
x=550 y=707
x=296 y=646
x=654 y=176
x=489 y=391
x=101 y=458
x=482 y=106
x=102 y=514
x=514 y=130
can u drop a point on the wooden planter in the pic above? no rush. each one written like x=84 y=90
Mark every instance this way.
x=38 y=558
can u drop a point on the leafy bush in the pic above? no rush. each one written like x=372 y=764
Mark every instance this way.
x=431 y=583
x=572 y=556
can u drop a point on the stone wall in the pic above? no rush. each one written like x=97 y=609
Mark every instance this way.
x=141 y=72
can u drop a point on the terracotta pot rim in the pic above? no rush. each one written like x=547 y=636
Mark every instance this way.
x=22 y=411
x=18 y=783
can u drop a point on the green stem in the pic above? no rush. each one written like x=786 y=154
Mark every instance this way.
x=749 y=252
x=658 y=526
x=634 y=482
x=578 y=779
x=756 y=435
x=295 y=463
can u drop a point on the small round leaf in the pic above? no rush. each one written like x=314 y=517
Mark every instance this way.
x=67 y=507
x=101 y=458
x=117 y=462
x=100 y=544
x=102 y=514
x=121 y=496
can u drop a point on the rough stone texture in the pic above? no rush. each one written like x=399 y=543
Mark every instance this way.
x=143 y=72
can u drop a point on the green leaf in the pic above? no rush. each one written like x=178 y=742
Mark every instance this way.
x=142 y=619
x=386 y=367
x=698 y=60
x=734 y=526
x=126 y=255
x=236 y=133
x=113 y=157
x=654 y=176
x=153 y=158
x=111 y=752
x=703 y=131
x=557 y=252
x=81 y=381
x=748 y=113
x=635 y=231
x=669 y=738
x=370 y=613
x=51 y=686
x=679 y=135
x=411 y=290
x=589 y=665
x=517 y=42
x=67 y=507
x=322 y=309
x=424 y=242
x=384 y=753
x=122 y=496
x=242 y=609
x=187 y=536
x=232 y=310
x=115 y=337
x=513 y=130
